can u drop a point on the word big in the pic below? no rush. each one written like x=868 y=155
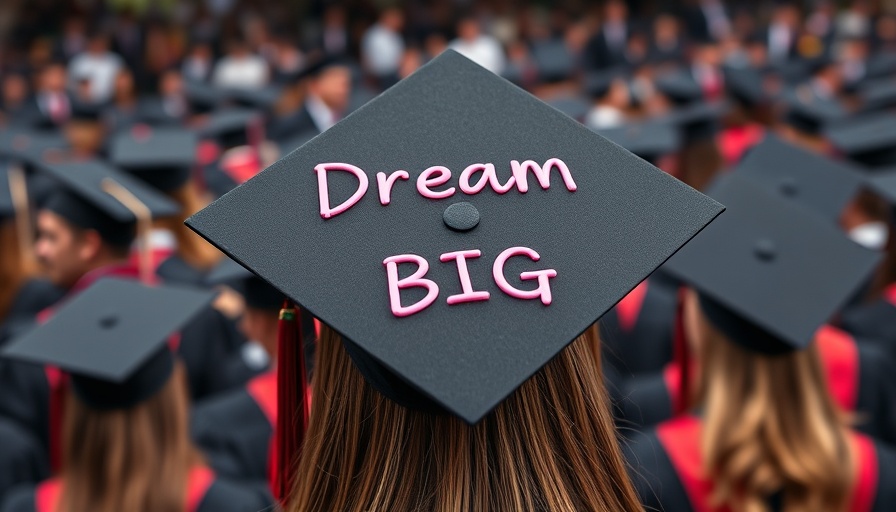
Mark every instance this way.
x=417 y=279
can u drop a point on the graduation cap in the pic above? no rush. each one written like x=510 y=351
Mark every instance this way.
x=768 y=272
x=263 y=98
x=112 y=339
x=745 y=85
x=161 y=157
x=879 y=95
x=553 y=61
x=202 y=97
x=449 y=296
x=257 y=293
x=697 y=121
x=230 y=126
x=96 y=196
x=821 y=183
x=869 y=140
x=597 y=83
x=30 y=147
x=680 y=86
x=86 y=112
x=810 y=114
x=648 y=140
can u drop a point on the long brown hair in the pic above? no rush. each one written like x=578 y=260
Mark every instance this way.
x=550 y=446
x=133 y=459
x=191 y=247
x=769 y=425
x=14 y=268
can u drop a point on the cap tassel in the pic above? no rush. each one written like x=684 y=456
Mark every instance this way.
x=292 y=404
x=681 y=354
x=144 y=225
x=18 y=189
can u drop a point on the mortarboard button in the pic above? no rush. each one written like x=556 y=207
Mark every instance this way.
x=570 y=223
x=789 y=186
x=766 y=250
x=461 y=216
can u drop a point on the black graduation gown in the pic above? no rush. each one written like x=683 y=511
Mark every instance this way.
x=235 y=430
x=22 y=459
x=636 y=335
x=175 y=270
x=664 y=465
x=860 y=377
x=33 y=296
x=205 y=493
x=874 y=322
x=281 y=129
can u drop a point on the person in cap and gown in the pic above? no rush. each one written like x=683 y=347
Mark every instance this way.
x=22 y=293
x=327 y=91
x=764 y=432
x=235 y=429
x=164 y=158
x=125 y=436
x=490 y=399
x=85 y=232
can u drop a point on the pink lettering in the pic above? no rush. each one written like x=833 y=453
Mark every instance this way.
x=488 y=175
x=321 y=170
x=414 y=280
x=468 y=295
x=385 y=184
x=426 y=180
x=543 y=290
x=542 y=174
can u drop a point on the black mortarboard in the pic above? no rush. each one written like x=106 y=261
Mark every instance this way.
x=90 y=198
x=263 y=98
x=879 y=95
x=230 y=126
x=599 y=221
x=30 y=147
x=680 y=86
x=573 y=106
x=597 y=84
x=698 y=121
x=823 y=184
x=870 y=140
x=809 y=113
x=883 y=182
x=319 y=64
x=86 y=111
x=112 y=339
x=257 y=293
x=745 y=85
x=162 y=157
x=553 y=60
x=769 y=272
x=648 y=140
x=203 y=97
x=881 y=64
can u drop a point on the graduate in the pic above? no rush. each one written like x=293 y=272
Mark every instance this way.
x=235 y=430
x=164 y=159
x=22 y=293
x=236 y=134
x=85 y=229
x=764 y=431
x=457 y=366
x=125 y=437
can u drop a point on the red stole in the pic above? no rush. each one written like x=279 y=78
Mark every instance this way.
x=201 y=478
x=629 y=308
x=680 y=438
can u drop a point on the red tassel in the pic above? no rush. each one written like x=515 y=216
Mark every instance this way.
x=292 y=403
x=682 y=357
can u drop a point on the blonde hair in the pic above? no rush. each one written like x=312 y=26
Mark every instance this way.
x=550 y=446
x=770 y=426
x=132 y=459
x=191 y=247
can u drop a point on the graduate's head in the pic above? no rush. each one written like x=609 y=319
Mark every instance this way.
x=460 y=322
x=90 y=220
x=763 y=281
x=125 y=442
x=332 y=84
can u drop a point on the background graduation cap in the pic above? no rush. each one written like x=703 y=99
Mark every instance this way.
x=869 y=140
x=698 y=121
x=232 y=127
x=810 y=114
x=649 y=140
x=679 y=86
x=161 y=157
x=95 y=196
x=257 y=293
x=769 y=272
x=811 y=179
x=112 y=339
